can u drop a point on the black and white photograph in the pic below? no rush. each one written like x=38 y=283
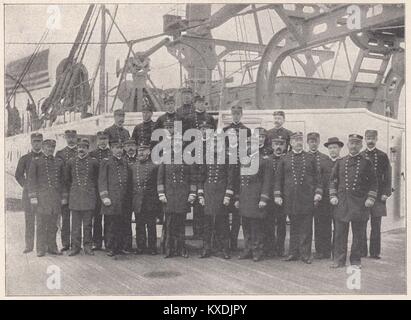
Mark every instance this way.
x=204 y=150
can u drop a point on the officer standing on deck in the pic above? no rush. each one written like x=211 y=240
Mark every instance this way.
x=117 y=132
x=234 y=127
x=101 y=152
x=186 y=110
x=298 y=188
x=279 y=130
x=130 y=149
x=142 y=132
x=170 y=115
x=21 y=176
x=353 y=190
x=253 y=199
x=81 y=174
x=113 y=184
x=322 y=212
x=47 y=194
x=275 y=222
x=146 y=205
x=382 y=168
x=69 y=152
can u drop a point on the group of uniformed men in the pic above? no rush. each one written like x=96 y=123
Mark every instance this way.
x=119 y=178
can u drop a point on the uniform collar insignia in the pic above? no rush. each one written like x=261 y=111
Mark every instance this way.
x=106 y=148
x=72 y=147
x=371 y=150
x=354 y=155
x=295 y=152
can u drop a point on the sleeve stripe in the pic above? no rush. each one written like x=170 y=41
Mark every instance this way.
x=103 y=193
x=277 y=193
x=265 y=196
x=228 y=191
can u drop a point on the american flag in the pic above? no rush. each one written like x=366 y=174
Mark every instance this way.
x=37 y=76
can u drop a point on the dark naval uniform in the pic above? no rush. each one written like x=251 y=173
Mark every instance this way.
x=254 y=187
x=382 y=168
x=81 y=178
x=113 y=183
x=176 y=182
x=99 y=154
x=21 y=174
x=235 y=217
x=66 y=154
x=322 y=211
x=142 y=133
x=116 y=133
x=185 y=112
x=282 y=132
x=197 y=119
x=166 y=118
x=352 y=181
x=216 y=183
x=146 y=205
x=297 y=181
x=275 y=221
x=46 y=183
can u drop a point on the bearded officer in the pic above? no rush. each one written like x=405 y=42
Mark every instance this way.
x=21 y=177
x=117 y=132
x=298 y=188
x=275 y=222
x=233 y=130
x=81 y=174
x=279 y=130
x=254 y=193
x=101 y=152
x=142 y=132
x=382 y=168
x=67 y=153
x=353 y=191
x=145 y=202
x=47 y=193
x=113 y=184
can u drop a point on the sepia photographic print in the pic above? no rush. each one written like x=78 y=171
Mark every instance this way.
x=204 y=149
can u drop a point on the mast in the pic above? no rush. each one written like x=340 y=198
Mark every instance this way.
x=102 y=86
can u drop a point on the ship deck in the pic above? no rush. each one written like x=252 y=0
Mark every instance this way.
x=154 y=275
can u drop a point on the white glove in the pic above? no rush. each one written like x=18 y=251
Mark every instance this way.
x=369 y=202
x=237 y=204
x=334 y=201
x=162 y=198
x=191 y=198
x=64 y=201
x=226 y=201
x=317 y=197
x=278 y=201
x=107 y=202
x=201 y=200
x=34 y=201
x=262 y=204
x=384 y=197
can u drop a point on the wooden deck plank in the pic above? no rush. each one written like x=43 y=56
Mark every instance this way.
x=154 y=275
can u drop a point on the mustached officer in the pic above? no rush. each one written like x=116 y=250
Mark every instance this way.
x=142 y=132
x=117 y=132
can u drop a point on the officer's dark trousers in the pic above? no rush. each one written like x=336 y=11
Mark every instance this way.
x=146 y=232
x=216 y=228
x=98 y=226
x=113 y=224
x=65 y=226
x=341 y=241
x=198 y=217
x=127 y=233
x=274 y=233
x=81 y=220
x=30 y=220
x=301 y=234
x=375 y=238
x=323 y=234
x=253 y=229
x=235 y=227
x=174 y=238
x=46 y=232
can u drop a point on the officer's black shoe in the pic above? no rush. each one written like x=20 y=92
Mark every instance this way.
x=27 y=250
x=41 y=254
x=127 y=251
x=337 y=265
x=97 y=248
x=54 y=252
x=280 y=254
x=291 y=258
x=306 y=260
x=153 y=252
x=205 y=253
x=74 y=252
x=375 y=257
x=245 y=255
x=168 y=254
x=139 y=251
x=111 y=253
x=184 y=253
x=88 y=251
x=257 y=257
x=65 y=249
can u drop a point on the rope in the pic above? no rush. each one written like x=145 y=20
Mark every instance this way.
x=271 y=22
